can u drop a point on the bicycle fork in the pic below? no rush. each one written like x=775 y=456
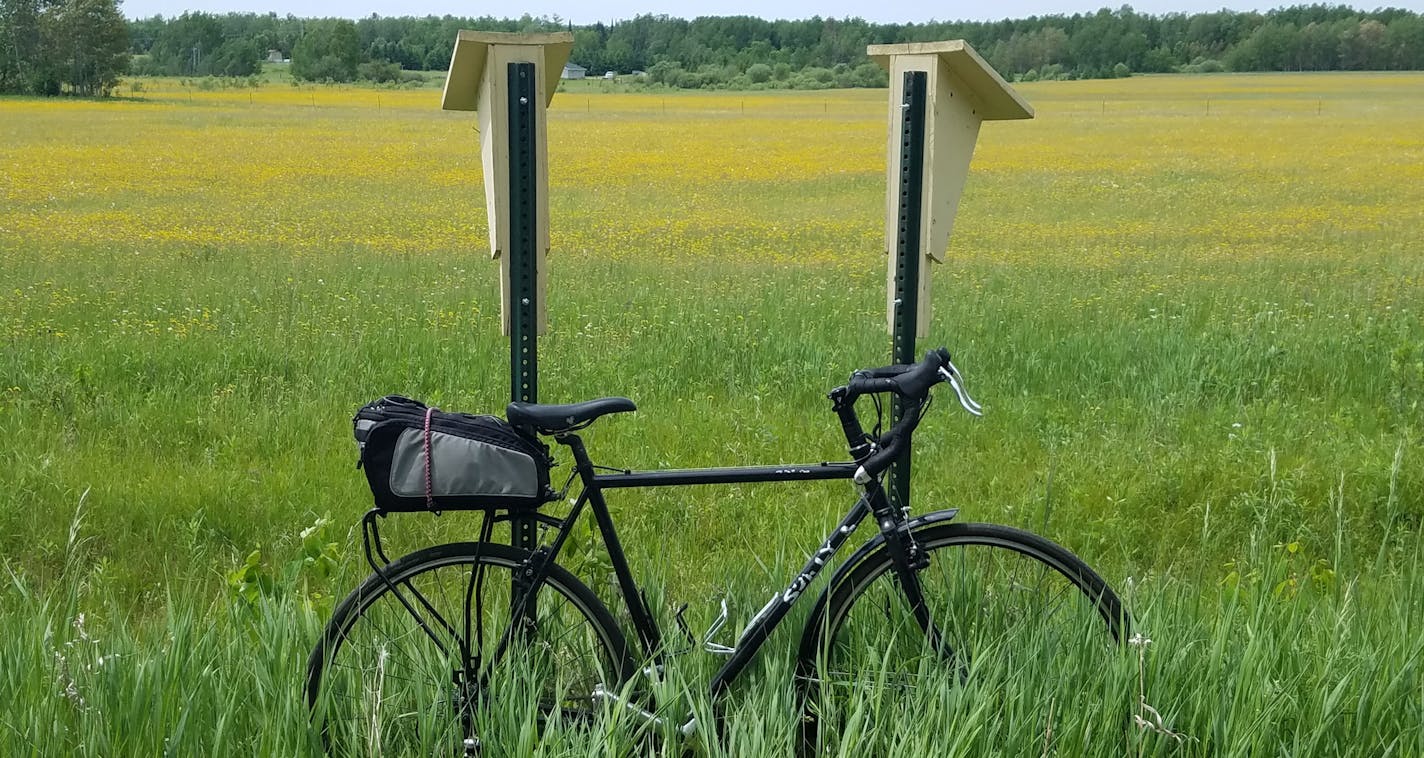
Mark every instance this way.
x=908 y=559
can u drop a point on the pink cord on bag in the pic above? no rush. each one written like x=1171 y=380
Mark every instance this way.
x=429 y=486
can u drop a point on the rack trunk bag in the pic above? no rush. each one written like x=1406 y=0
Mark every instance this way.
x=421 y=458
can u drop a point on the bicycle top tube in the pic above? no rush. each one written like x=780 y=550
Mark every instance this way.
x=798 y=472
x=911 y=382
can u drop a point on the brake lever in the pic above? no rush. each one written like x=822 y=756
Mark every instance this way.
x=960 y=377
x=956 y=380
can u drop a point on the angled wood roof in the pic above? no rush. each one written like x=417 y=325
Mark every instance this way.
x=996 y=98
x=467 y=63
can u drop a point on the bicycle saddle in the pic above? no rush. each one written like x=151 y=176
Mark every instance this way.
x=552 y=419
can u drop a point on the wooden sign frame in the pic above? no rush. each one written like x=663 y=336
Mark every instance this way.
x=961 y=91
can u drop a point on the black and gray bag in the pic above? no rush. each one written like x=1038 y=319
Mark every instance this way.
x=421 y=458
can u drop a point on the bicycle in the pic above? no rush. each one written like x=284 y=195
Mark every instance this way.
x=438 y=652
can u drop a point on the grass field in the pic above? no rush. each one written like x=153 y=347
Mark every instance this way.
x=1191 y=305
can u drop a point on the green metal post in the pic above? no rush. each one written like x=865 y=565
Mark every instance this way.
x=908 y=256
x=523 y=261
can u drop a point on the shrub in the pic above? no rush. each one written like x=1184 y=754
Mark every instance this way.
x=380 y=72
x=687 y=80
x=870 y=75
x=327 y=69
x=1203 y=66
x=664 y=72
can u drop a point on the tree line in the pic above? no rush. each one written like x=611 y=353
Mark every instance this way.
x=50 y=46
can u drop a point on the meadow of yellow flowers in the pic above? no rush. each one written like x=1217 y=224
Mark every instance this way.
x=729 y=175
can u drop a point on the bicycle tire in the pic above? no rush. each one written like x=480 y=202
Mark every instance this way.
x=396 y=693
x=880 y=653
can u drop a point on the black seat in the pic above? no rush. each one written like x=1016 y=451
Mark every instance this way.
x=551 y=419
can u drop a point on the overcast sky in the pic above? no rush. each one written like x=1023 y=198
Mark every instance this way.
x=589 y=11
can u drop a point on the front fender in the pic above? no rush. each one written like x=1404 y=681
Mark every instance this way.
x=807 y=654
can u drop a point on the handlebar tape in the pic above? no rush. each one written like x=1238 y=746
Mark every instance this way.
x=885 y=371
x=911 y=382
x=882 y=458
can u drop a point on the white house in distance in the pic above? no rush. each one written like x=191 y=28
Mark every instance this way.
x=574 y=71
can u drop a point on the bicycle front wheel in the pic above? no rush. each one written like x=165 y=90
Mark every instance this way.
x=425 y=660
x=1013 y=618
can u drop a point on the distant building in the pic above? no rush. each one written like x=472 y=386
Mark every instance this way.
x=574 y=71
x=274 y=56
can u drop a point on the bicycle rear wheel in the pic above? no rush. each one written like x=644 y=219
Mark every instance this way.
x=1018 y=618
x=390 y=675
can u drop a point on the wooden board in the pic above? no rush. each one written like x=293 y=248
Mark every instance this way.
x=478 y=81
x=468 y=59
x=962 y=92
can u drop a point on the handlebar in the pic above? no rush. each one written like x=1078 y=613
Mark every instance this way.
x=891 y=443
x=911 y=383
x=884 y=371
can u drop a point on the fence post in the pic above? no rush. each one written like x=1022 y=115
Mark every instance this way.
x=506 y=78
x=905 y=276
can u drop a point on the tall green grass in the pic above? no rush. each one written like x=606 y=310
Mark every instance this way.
x=1276 y=657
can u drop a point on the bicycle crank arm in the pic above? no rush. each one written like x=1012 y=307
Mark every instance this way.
x=649 y=718
x=602 y=694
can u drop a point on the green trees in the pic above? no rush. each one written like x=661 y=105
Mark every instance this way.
x=90 y=42
x=51 y=47
x=330 y=49
x=197 y=44
x=1027 y=51
x=1104 y=43
x=21 y=65
x=748 y=52
x=1329 y=42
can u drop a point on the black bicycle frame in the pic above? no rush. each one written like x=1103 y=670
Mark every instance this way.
x=874 y=500
x=904 y=551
